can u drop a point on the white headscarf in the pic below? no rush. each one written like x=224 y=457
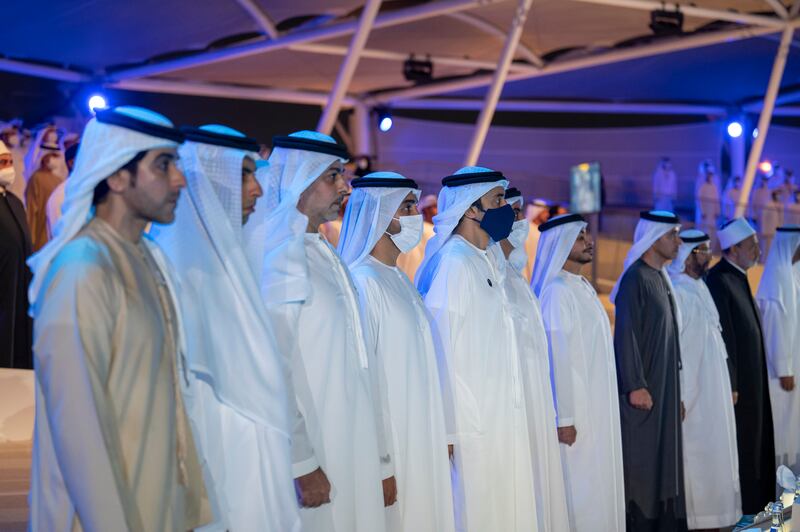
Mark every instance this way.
x=369 y=212
x=105 y=148
x=37 y=151
x=553 y=250
x=453 y=202
x=678 y=265
x=238 y=352
x=777 y=282
x=646 y=234
x=283 y=273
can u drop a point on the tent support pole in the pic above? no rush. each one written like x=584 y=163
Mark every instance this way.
x=348 y=67
x=766 y=117
x=500 y=75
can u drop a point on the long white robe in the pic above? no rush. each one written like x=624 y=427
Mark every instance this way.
x=585 y=385
x=707 y=209
x=710 y=455
x=551 y=495
x=401 y=346
x=782 y=343
x=466 y=300
x=334 y=390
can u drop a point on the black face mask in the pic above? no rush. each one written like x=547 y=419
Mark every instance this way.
x=498 y=222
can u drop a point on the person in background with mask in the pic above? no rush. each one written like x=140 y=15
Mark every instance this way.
x=380 y=222
x=410 y=261
x=16 y=328
x=665 y=185
x=51 y=173
x=10 y=136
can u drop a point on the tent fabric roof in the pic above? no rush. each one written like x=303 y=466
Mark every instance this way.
x=104 y=38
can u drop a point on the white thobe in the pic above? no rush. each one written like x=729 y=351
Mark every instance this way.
x=759 y=199
x=551 y=496
x=707 y=209
x=401 y=346
x=710 y=456
x=730 y=201
x=334 y=390
x=782 y=343
x=466 y=300
x=665 y=189
x=585 y=385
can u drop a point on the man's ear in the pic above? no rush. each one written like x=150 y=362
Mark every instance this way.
x=472 y=212
x=119 y=180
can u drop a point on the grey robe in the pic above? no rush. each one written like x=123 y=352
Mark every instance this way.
x=648 y=356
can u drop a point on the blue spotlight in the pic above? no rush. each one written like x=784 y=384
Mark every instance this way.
x=384 y=120
x=755 y=133
x=735 y=130
x=97 y=102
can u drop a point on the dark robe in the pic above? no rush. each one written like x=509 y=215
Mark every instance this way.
x=648 y=356
x=741 y=330
x=16 y=328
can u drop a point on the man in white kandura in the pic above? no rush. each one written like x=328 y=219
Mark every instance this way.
x=778 y=299
x=583 y=376
x=113 y=449
x=381 y=221
x=551 y=497
x=710 y=455
x=237 y=391
x=339 y=449
x=462 y=286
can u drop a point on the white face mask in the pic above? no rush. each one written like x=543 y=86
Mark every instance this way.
x=7 y=176
x=410 y=233
x=519 y=233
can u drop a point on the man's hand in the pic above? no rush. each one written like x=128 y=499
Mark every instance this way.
x=787 y=383
x=313 y=489
x=640 y=399
x=683 y=411
x=735 y=398
x=567 y=435
x=389 y=491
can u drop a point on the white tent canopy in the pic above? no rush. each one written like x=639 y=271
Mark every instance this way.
x=539 y=55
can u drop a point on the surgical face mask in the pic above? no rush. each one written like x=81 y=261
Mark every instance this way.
x=410 y=233
x=519 y=233
x=498 y=222
x=7 y=176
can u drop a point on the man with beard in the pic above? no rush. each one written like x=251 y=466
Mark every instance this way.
x=648 y=362
x=710 y=459
x=744 y=342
